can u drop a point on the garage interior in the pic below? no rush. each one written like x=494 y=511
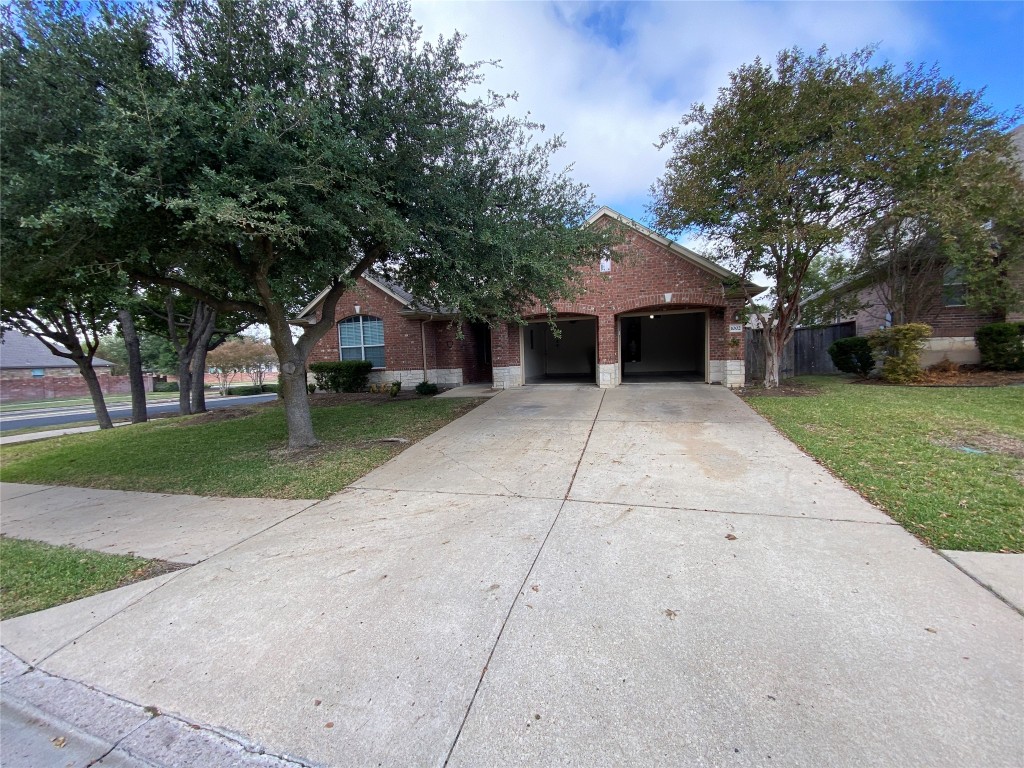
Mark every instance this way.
x=664 y=347
x=570 y=358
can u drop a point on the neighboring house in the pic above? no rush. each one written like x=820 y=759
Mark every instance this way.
x=25 y=357
x=29 y=371
x=658 y=312
x=941 y=302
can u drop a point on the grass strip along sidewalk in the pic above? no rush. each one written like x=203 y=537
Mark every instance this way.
x=235 y=452
x=946 y=463
x=34 y=576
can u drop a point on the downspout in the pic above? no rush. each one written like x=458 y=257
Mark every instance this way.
x=423 y=346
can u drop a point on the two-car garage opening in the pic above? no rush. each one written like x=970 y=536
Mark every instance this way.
x=663 y=347
x=654 y=346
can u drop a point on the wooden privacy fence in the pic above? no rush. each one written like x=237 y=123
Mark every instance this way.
x=806 y=353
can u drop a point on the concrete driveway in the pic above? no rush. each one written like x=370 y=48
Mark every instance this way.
x=649 y=575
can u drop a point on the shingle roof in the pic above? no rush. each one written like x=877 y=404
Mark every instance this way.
x=20 y=351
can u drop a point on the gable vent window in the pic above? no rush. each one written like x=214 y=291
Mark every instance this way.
x=361 y=337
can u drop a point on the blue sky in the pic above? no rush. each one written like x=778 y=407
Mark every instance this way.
x=611 y=76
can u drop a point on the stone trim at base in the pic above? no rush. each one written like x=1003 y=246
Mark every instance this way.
x=508 y=376
x=958 y=349
x=443 y=377
x=608 y=375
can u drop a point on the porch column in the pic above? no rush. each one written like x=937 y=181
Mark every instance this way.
x=506 y=361
x=609 y=370
x=735 y=347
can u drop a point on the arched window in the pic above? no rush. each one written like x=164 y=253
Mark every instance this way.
x=361 y=337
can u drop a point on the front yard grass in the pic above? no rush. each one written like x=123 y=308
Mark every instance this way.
x=34 y=576
x=235 y=452
x=903 y=448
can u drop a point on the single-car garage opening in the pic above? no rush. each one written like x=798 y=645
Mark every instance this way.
x=571 y=357
x=664 y=347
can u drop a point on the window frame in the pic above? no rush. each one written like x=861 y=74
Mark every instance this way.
x=363 y=346
x=954 y=288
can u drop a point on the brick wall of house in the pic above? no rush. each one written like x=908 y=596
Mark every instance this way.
x=403 y=349
x=48 y=387
x=945 y=321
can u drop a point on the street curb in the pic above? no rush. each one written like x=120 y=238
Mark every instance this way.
x=47 y=718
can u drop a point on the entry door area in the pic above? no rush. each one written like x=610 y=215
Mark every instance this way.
x=664 y=347
x=569 y=357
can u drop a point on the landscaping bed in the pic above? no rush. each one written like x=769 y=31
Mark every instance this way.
x=947 y=463
x=237 y=453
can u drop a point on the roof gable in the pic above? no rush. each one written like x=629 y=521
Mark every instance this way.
x=671 y=245
x=20 y=351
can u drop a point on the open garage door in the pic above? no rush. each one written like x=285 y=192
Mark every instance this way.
x=664 y=347
x=568 y=358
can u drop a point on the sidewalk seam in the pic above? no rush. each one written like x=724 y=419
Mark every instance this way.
x=522 y=587
x=180 y=571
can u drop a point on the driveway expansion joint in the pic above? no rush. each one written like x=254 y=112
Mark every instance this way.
x=522 y=587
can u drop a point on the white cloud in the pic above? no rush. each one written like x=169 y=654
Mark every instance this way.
x=612 y=77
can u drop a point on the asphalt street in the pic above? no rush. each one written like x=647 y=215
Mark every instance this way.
x=56 y=415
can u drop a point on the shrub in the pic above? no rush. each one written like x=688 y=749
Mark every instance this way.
x=852 y=355
x=426 y=388
x=269 y=387
x=1001 y=346
x=165 y=386
x=899 y=348
x=248 y=389
x=311 y=388
x=395 y=388
x=342 y=376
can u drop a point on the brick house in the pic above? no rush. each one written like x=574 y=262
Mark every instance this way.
x=942 y=304
x=656 y=312
x=29 y=371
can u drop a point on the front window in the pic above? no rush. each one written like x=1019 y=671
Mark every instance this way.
x=361 y=337
x=954 y=289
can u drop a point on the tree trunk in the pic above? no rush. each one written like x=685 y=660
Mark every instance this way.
x=291 y=381
x=774 y=349
x=208 y=322
x=184 y=384
x=138 y=383
x=95 y=391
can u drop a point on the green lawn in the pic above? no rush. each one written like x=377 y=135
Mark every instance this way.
x=900 y=447
x=233 y=453
x=34 y=576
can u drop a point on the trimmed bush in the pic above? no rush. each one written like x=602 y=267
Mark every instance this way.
x=395 y=388
x=165 y=386
x=247 y=389
x=311 y=388
x=342 y=376
x=852 y=355
x=426 y=388
x=1001 y=346
x=270 y=388
x=899 y=349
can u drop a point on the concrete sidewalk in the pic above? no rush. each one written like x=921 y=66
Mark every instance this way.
x=649 y=575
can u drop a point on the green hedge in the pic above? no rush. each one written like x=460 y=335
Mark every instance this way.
x=1001 y=346
x=251 y=389
x=342 y=376
x=426 y=388
x=852 y=355
x=165 y=386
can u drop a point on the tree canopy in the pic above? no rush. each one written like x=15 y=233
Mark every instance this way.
x=255 y=152
x=798 y=161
